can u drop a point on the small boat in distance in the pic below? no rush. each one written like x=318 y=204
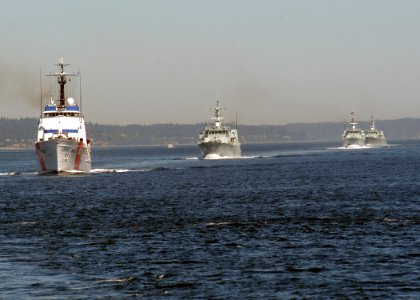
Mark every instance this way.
x=353 y=136
x=62 y=144
x=219 y=139
x=373 y=136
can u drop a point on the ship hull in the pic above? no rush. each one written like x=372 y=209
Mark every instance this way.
x=61 y=155
x=221 y=149
x=375 y=141
x=375 y=138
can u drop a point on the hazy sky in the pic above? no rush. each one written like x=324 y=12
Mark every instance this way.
x=271 y=62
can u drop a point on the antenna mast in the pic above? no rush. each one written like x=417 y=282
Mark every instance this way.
x=40 y=85
x=62 y=80
x=80 y=90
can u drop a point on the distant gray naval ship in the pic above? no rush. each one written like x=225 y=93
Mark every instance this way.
x=219 y=139
x=373 y=136
x=353 y=136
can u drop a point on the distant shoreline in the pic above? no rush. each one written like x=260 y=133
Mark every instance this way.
x=18 y=133
x=15 y=148
x=104 y=145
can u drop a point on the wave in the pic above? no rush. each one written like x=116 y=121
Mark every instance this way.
x=252 y=157
x=101 y=171
x=18 y=173
x=119 y=280
x=104 y=171
x=76 y=172
x=217 y=156
x=9 y=174
x=351 y=147
x=61 y=173
x=23 y=223
x=219 y=223
x=185 y=158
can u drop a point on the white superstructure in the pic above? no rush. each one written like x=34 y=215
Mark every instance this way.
x=62 y=144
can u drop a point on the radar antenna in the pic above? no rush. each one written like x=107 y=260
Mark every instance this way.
x=62 y=80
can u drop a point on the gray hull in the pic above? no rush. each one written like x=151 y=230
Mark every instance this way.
x=375 y=138
x=60 y=155
x=375 y=141
x=221 y=149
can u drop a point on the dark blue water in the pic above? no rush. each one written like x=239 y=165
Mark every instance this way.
x=287 y=221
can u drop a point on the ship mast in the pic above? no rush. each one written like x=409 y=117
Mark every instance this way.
x=372 y=123
x=353 y=123
x=62 y=80
x=218 y=115
x=40 y=87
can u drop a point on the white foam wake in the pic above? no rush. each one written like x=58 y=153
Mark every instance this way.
x=76 y=172
x=99 y=171
x=217 y=156
x=18 y=173
x=252 y=156
x=351 y=147
x=213 y=156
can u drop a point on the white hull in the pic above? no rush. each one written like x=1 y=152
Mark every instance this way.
x=61 y=155
x=375 y=138
x=376 y=141
x=221 y=149
x=354 y=141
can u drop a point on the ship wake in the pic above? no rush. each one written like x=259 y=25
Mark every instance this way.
x=351 y=147
x=18 y=173
x=217 y=156
x=104 y=171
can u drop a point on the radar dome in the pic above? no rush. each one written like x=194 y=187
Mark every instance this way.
x=70 y=101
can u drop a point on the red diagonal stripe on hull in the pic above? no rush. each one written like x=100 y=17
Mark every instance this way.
x=40 y=156
x=78 y=156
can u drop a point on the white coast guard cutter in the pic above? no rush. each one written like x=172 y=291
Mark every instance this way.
x=62 y=144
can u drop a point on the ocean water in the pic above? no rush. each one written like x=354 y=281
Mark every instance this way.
x=285 y=221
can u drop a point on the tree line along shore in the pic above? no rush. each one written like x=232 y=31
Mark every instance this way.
x=21 y=133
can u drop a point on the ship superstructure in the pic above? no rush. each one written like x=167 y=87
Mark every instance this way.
x=62 y=144
x=373 y=136
x=219 y=139
x=353 y=136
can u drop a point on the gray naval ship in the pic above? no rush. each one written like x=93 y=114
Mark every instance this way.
x=353 y=136
x=373 y=136
x=219 y=139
